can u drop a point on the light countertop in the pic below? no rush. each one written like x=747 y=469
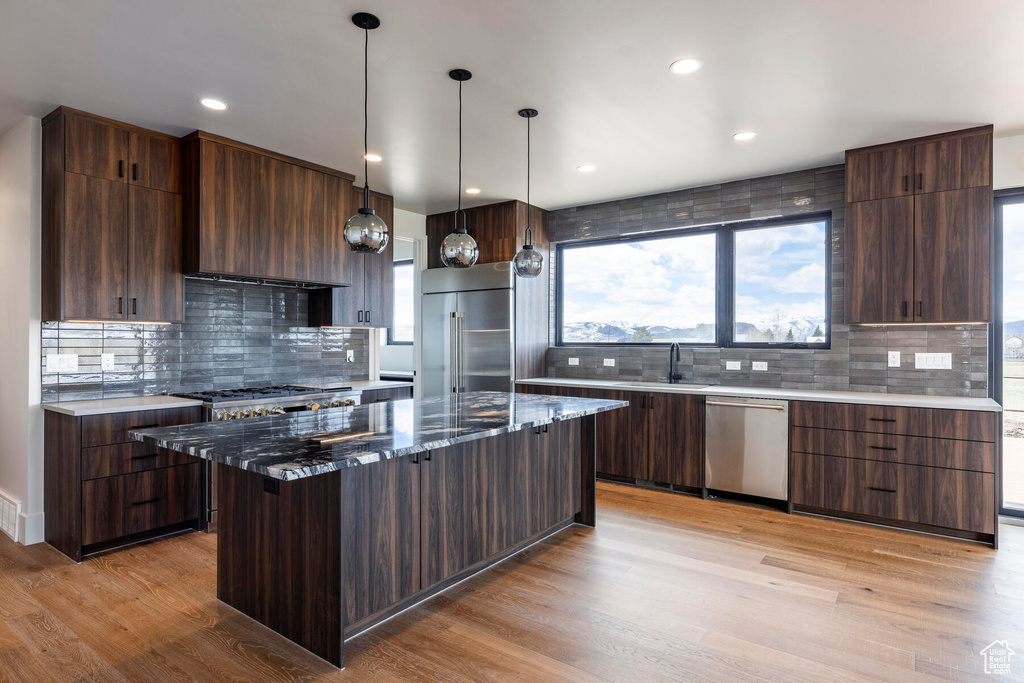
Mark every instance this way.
x=862 y=397
x=105 y=406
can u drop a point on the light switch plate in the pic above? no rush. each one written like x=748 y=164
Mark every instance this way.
x=107 y=361
x=732 y=365
x=894 y=359
x=933 y=361
x=62 y=362
x=609 y=362
x=350 y=356
x=574 y=361
x=759 y=366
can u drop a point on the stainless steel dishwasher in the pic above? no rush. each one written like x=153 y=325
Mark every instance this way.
x=746 y=446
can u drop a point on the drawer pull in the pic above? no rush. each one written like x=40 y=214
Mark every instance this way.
x=882 y=419
x=152 y=426
x=147 y=502
x=875 y=488
x=883 y=448
x=145 y=457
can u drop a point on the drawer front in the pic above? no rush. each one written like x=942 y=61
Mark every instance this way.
x=119 y=506
x=953 y=499
x=124 y=458
x=970 y=425
x=977 y=456
x=103 y=430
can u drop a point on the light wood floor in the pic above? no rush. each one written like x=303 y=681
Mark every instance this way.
x=667 y=587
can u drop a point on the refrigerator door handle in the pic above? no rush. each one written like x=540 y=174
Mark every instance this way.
x=453 y=352
x=460 y=346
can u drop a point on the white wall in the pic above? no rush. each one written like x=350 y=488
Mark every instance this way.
x=21 y=418
x=1008 y=162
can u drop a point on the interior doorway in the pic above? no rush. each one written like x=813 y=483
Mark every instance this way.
x=1008 y=344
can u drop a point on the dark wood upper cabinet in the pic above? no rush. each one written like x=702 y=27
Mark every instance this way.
x=880 y=260
x=155 y=283
x=927 y=257
x=94 y=147
x=289 y=217
x=369 y=300
x=219 y=196
x=497 y=228
x=94 y=267
x=111 y=245
x=155 y=162
x=953 y=255
x=340 y=262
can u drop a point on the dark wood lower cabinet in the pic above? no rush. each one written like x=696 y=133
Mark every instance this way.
x=546 y=476
x=675 y=439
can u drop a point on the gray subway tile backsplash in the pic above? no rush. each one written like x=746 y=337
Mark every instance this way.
x=858 y=358
x=233 y=335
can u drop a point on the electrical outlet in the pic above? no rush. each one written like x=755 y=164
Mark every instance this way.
x=107 y=361
x=732 y=365
x=62 y=362
x=759 y=366
x=609 y=362
x=933 y=361
x=894 y=359
x=350 y=356
x=574 y=361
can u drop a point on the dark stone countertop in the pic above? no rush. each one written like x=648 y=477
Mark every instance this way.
x=310 y=443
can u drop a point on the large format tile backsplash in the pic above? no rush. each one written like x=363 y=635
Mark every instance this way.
x=233 y=335
x=858 y=358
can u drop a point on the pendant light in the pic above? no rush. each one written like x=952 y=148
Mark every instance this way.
x=365 y=231
x=459 y=249
x=528 y=261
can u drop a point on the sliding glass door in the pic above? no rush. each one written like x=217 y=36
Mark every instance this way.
x=1008 y=344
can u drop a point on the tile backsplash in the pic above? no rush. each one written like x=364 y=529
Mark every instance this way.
x=233 y=335
x=857 y=360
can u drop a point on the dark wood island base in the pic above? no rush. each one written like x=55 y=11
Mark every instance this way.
x=321 y=559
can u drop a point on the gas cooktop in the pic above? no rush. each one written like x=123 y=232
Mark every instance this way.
x=251 y=393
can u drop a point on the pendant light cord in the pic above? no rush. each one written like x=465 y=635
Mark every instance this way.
x=459 y=209
x=529 y=230
x=366 y=118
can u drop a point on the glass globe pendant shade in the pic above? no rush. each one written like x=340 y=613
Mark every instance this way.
x=459 y=250
x=528 y=262
x=366 y=232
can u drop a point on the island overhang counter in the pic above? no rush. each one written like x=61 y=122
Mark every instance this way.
x=332 y=521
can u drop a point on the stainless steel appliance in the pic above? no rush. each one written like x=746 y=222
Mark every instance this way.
x=746 y=446
x=237 y=404
x=469 y=329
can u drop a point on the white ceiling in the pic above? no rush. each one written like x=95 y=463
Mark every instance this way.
x=812 y=78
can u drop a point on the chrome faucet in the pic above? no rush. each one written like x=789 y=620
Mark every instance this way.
x=673 y=358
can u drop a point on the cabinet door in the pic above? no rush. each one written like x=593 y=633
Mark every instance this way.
x=289 y=213
x=546 y=465
x=880 y=260
x=380 y=535
x=639 y=419
x=155 y=283
x=879 y=175
x=615 y=453
x=953 y=163
x=953 y=256
x=95 y=252
x=676 y=439
x=466 y=498
x=155 y=162
x=379 y=271
x=226 y=209
x=338 y=208
x=95 y=148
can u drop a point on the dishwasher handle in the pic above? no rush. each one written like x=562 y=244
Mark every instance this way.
x=759 y=406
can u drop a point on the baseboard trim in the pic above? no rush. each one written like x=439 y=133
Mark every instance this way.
x=31 y=528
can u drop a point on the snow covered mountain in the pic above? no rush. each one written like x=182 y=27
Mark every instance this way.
x=802 y=330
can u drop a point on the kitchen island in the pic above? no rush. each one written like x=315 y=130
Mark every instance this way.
x=332 y=521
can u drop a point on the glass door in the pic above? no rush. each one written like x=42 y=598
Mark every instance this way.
x=1008 y=344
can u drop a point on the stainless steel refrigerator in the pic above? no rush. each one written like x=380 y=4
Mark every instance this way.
x=468 y=329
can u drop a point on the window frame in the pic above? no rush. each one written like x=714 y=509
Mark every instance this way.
x=725 y=280
x=391 y=330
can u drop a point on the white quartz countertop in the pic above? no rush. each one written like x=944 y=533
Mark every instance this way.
x=379 y=384
x=864 y=397
x=106 y=406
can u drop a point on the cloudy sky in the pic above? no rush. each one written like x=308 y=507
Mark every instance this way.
x=1013 y=263
x=671 y=281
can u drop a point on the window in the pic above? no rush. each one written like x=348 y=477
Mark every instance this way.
x=760 y=283
x=402 y=331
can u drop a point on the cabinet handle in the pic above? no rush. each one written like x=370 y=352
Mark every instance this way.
x=145 y=457
x=545 y=429
x=415 y=458
x=903 y=309
x=120 y=168
x=120 y=305
x=367 y=316
x=359 y=317
x=882 y=419
x=135 y=306
x=875 y=488
x=147 y=502
x=426 y=456
x=906 y=182
x=651 y=406
x=920 y=181
x=920 y=309
x=643 y=402
x=536 y=430
x=882 y=448
x=135 y=171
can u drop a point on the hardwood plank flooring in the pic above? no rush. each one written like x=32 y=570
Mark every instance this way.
x=666 y=588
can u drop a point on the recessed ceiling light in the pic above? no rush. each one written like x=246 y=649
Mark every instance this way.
x=585 y=168
x=472 y=190
x=373 y=157
x=744 y=135
x=685 y=66
x=213 y=103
